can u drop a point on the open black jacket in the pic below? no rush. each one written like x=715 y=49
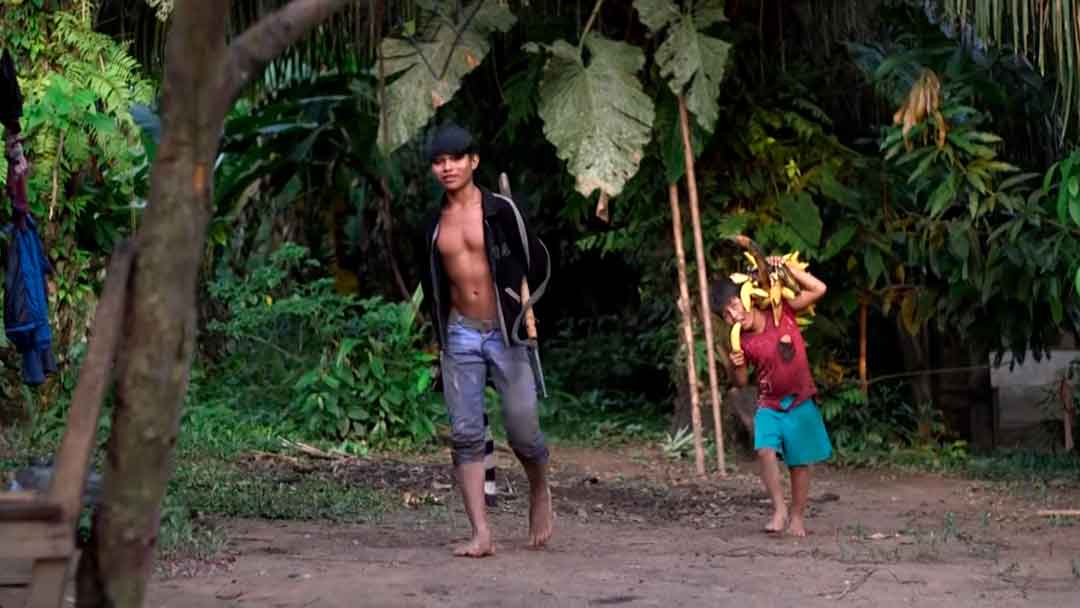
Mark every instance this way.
x=513 y=252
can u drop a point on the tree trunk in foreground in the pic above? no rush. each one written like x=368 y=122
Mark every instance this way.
x=203 y=77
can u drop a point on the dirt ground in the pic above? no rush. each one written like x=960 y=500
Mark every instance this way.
x=633 y=530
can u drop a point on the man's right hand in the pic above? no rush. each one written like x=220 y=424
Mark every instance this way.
x=738 y=359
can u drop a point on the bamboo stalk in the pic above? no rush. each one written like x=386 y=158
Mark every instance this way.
x=688 y=328
x=703 y=285
x=862 y=347
x=1067 y=404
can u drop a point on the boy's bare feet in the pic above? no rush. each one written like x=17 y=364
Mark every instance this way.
x=779 y=520
x=797 y=527
x=541 y=516
x=480 y=546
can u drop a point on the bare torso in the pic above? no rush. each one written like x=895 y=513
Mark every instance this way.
x=461 y=245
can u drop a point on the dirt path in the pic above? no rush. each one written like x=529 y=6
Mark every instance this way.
x=633 y=531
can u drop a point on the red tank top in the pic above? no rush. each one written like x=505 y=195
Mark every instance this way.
x=781 y=370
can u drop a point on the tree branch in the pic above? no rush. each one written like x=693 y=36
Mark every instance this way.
x=271 y=35
x=589 y=24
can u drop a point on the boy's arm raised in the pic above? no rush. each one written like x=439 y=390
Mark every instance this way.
x=812 y=287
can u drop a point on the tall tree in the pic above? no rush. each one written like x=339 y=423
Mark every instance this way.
x=204 y=74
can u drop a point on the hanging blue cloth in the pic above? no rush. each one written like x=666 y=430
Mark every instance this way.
x=26 y=304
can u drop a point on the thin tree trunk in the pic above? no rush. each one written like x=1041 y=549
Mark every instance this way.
x=203 y=77
x=388 y=234
x=388 y=222
x=862 y=347
x=703 y=285
x=688 y=329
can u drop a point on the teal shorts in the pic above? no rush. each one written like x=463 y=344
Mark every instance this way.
x=797 y=434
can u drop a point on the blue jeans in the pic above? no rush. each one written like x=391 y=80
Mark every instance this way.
x=473 y=350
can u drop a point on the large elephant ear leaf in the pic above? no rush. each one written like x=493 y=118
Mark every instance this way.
x=657 y=14
x=693 y=62
x=596 y=114
x=427 y=70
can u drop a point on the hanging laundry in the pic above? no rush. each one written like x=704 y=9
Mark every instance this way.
x=26 y=302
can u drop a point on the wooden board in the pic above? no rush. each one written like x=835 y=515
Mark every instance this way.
x=32 y=540
x=14 y=573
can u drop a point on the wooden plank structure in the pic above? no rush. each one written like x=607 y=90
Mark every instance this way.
x=40 y=526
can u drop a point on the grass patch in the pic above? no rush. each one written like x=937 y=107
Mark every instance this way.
x=1014 y=465
x=217 y=488
x=594 y=418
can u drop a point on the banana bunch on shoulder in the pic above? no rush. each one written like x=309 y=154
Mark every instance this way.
x=781 y=286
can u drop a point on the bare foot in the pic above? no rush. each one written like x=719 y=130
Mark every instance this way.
x=797 y=527
x=779 y=519
x=480 y=546
x=541 y=517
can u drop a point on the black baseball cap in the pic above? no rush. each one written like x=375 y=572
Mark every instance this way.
x=449 y=139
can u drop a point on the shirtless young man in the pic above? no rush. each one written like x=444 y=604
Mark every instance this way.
x=479 y=248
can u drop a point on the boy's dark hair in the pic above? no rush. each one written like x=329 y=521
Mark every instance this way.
x=720 y=293
x=450 y=139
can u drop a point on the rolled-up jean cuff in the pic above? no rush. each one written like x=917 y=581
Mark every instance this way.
x=469 y=452
x=535 y=455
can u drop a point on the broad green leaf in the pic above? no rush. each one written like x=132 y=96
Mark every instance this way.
x=1078 y=281
x=838 y=241
x=923 y=165
x=958 y=242
x=597 y=115
x=657 y=14
x=377 y=366
x=875 y=265
x=802 y=214
x=986 y=138
x=1016 y=180
x=1063 y=191
x=1057 y=310
x=429 y=70
x=1074 y=209
x=709 y=12
x=831 y=188
x=731 y=225
x=942 y=196
x=961 y=141
x=692 y=62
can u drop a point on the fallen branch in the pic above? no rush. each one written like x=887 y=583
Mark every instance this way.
x=313 y=451
x=261 y=455
x=849 y=586
x=1059 y=513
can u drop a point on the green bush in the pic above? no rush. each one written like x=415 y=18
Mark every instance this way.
x=372 y=386
x=883 y=427
x=315 y=362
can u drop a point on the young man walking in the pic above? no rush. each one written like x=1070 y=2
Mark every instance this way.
x=479 y=249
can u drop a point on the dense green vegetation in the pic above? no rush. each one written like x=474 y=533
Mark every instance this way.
x=960 y=231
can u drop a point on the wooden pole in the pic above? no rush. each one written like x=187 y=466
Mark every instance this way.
x=1067 y=403
x=688 y=328
x=862 y=347
x=703 y=286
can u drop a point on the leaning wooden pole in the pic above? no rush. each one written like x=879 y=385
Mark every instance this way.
x=703 y=286
x=863 y=383
x=688 y=328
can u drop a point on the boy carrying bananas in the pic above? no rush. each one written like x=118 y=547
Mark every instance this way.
x=787 y=422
